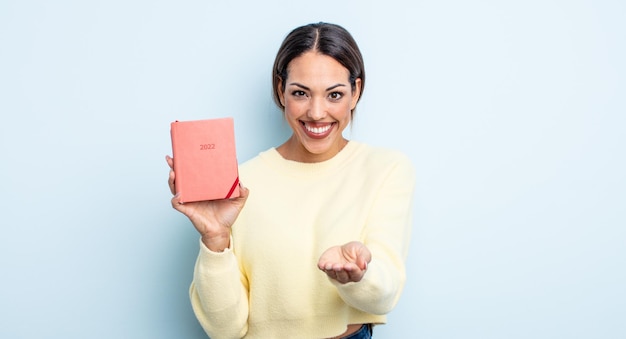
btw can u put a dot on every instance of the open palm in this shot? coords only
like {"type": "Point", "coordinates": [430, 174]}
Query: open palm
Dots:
{"type": "Point", "coordinates": [345, 263]}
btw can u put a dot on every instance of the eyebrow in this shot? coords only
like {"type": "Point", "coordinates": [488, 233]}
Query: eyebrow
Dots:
{"type": "Point", "coordinates": [308, 89]}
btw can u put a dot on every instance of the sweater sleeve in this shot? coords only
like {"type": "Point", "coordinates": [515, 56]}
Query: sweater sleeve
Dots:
{"type": "Point", "coordinates": [387, 234]}
{"type": "Point", "coordinates": [218, 294]}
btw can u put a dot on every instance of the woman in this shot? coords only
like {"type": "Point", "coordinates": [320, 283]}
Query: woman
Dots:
{"type": "Point", "coordinates": [315, 245]}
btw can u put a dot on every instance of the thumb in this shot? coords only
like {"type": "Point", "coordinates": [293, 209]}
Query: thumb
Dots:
{"type": "Point", "coordinates": [243, 191]}
{"type": "Point", "coordinates": [361, 262]}
{"type": "Point", "coordinates": [243, 195]}
{"type": "Point", "coordinates": [364, 256]}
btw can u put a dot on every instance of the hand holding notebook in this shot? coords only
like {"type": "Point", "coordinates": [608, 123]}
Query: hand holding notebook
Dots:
{"type": "Point", "coordinates": [212, 218]}
{"type": "Point", "coordinates": [204, 178]}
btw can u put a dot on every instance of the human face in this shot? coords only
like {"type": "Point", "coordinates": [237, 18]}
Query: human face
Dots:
{"type": "Point", "coordinates": [318, 100]}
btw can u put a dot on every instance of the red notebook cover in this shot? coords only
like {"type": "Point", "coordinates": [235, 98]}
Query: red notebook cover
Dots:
{"type": "Point", "coordinates": [205, 160]}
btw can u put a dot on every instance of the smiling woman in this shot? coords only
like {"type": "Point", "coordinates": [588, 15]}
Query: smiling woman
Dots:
{"type": "Point", "coordinates": [317, 100]}
{"type": "Point", "coordinates": [318, 78]}
{"type": "Point", "coordinates": [315, 246]}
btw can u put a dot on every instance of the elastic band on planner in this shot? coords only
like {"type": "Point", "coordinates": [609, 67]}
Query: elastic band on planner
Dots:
{"type": "Point", "coordinates": [232, 189]}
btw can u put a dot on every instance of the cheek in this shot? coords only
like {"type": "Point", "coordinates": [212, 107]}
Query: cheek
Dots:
{"type": "Point", "coordinates": [294, 107]}
{"type": "Point", "coordinates": [342, 111]}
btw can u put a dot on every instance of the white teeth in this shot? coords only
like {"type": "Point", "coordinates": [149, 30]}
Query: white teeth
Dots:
{"type": "Point", "coordinates": [318, 130]}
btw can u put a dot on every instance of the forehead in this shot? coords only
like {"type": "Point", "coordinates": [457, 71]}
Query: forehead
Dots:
{"type": "Point", "coordinates": [314, 67]}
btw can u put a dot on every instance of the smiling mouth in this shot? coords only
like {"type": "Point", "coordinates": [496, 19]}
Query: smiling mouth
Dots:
{"type": "Point", "coordinates": [316, 130]}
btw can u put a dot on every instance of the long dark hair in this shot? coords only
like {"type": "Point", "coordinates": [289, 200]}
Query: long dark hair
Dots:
{"type": "Point", "coordinates": [325, 38]}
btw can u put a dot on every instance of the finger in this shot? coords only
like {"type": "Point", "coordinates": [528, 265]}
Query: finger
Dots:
{"type": "Point", "coordinates": [171, 182]}
{"type": "Point", "coordinates": [355, 274]}
{"type": "Point", "coordinates": [170, 161]}
{"type": "Point", "coordinates": [342, 276]}
{"type": "Point", "coordinates": [176, 204]}
{"type": "Point", "coordinates": [331, 274]}
{"type": "Point", "coordinates": [328, 266]}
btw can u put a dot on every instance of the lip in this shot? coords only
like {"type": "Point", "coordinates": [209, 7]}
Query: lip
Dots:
{"type": "Point", "coordinates": [317, 130]}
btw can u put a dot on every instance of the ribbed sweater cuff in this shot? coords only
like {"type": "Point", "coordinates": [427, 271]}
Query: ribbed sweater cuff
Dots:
{"type": "Point", "coordinates": [373, 294]}
{"type": "Point", "coordinates": [216, 261]}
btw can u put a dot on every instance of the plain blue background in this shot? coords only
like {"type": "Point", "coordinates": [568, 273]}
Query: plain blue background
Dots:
{"type": "Point", "coordinates": [512, 111]}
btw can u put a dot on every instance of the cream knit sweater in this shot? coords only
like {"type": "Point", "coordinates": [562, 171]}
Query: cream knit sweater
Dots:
{"type": "Point", "coordinates": [267, 284]}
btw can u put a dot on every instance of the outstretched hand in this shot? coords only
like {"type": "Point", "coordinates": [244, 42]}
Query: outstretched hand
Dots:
{"type": "Point", "coordinates": [213, 218]}
{"type": "Point", "coordinates": [346, 263]}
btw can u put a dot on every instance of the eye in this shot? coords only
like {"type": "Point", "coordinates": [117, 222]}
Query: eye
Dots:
{"type": "Point", "coordinates": [335, 96]}
{"type": "Point", "coordinates": [298, 93]}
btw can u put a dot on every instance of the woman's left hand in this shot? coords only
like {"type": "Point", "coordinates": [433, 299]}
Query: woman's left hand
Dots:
{"type": "Point", "coordinates": [346, 263]}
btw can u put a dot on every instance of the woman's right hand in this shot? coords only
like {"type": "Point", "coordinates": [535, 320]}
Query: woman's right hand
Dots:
{"type": "Point", "coordinates": [213, 219]}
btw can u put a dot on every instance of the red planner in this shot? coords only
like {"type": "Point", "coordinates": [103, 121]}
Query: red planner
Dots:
{"type": "Point", "coordinates": [205, 159]}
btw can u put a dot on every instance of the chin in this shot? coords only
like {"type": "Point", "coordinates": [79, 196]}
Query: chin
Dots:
{"type": "Point", "coordinates": [319, 147]}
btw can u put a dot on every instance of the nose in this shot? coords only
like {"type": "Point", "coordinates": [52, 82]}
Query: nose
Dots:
{"type": "Point", "coordinates": [317, 109]}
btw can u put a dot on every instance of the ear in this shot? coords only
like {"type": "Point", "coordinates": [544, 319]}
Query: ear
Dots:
{"type": "Point", "coordinates": [280, 92]}
{"type": "Point", "coordinates": [356, 94]}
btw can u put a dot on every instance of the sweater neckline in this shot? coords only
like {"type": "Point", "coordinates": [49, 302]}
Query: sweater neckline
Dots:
{"type": "Point", "coordinates": [292, 167]}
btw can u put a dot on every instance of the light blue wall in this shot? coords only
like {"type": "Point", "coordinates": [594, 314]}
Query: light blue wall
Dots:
{"type": "Point", "coordinates": [513, 113]}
